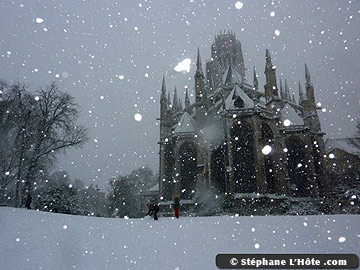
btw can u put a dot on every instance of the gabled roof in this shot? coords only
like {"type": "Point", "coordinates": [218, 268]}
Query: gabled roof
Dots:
{"type": "Point", "coordinates": [155, 188]}
{"type": "Point", "coordinates": [235, 93]}
{"type": "Point", "coordinates": [344, 144]}
{"type": "Point", "coordinates": [186, 124]}
{"type": "Point", "coordinates": [231, 76]}
{"type": "Point", "coordinates": [152, 191]}
{"type": "Point", "coordinates": [289, 113]}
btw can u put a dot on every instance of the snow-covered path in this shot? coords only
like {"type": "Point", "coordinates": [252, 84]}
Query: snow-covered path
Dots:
{"type": "Point", "coordinates": [39, 240]}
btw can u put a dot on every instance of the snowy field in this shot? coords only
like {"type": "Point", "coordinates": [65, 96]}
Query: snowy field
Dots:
{"type": "Point", "coordinates": [39, 240]}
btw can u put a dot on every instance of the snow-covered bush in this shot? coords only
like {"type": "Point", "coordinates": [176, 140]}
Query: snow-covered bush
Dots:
{"type": "Point", "coordinates": [59, 198]}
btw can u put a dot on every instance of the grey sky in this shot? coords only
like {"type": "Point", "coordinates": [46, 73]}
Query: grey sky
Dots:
{"type": "Point", "coordinates": [85, 45]}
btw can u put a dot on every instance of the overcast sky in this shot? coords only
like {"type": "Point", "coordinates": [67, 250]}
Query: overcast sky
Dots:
{"type": "Point", "coordinates": [111, 55]}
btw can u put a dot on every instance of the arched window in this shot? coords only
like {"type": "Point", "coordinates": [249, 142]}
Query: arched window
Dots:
{"type": "Point", "coordinates": [296, 166]}
{"type": "Point", "coordinates": [188, 163]}
{"type": "Point", "coordinates": [242, 141]}
{"type": "Point", "coordinates": [218, 168]}
{"type": "Point", "coordinates": [168, 181]}
{"type": "Point", "coordinates": [317, 162]}
{"type": "Point", "coordinates": [239, 103]}
{"type": "Point", "coordinates": [268, 138]}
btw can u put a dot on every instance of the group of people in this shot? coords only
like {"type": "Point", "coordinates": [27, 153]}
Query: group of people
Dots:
{"type": "Point", "coordinates": [154, 208]}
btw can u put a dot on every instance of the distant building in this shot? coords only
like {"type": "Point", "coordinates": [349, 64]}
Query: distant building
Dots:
{"type": "Point", "coordinates": [343, 157]}
{"type": "Point", "coordinates": [235, 138]}
{"type": "Point", "coordinates": [147, 196]}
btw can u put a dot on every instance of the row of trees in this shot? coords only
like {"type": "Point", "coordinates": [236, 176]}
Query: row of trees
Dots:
{"type": "Point", "coordinates": [58, 193]}
{"type": "Point", "coordinates": [125, 191]}
{"type": "Point", "coordinates": [34, 129]}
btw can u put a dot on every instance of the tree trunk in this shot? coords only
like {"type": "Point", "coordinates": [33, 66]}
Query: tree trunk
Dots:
{"type": "Point", "coordinates": [17, 193]}
{"type": "Point", "coordinates": [28, 187]}
{"type": "Point", "coordinates": [28, 196]}
{"type": "Point", "coordinates": [28, 184]}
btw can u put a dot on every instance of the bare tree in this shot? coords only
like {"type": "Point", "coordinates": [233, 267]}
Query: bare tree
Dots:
{"type": "Point", "coordinates": [15, 117]}
{"type": "Point", "coordinates": [56, 130]}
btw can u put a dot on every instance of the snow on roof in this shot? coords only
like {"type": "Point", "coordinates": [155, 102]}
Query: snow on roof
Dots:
{"type": "Point", "coordinates": [257, 196]}
{"type": "Point", "coordinates": [344, 144]}
{"type": "Point", "coordinates": [186, 124]}
{"type": "Point", "coordinates": [237, 92]}
{"type": "Point", "coordinates": [155, 188]}
{"type": "Point", "coordinates": [181, 202]}
{"type": "Point", "coordinates": [231, 76]}
{"type": "Point", "coordinates": [248, 102]}
{"type": "Point", "coordinates": [289, 113]}
{"type": "Point", "coordinates": [261, 104]}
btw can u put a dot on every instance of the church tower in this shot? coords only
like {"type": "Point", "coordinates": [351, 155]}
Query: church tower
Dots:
{"type": "Point", "coordinates": [200, 94]}
{"type": "Point", "coordinates": [310, 113]}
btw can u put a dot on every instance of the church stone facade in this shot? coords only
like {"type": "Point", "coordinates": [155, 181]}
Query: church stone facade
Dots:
{"type": "Point", "coordinates": [236, 138]}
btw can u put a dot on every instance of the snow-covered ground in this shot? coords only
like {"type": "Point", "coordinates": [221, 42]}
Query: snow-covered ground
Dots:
{"type": "Point", "coordinates": [39, 240]}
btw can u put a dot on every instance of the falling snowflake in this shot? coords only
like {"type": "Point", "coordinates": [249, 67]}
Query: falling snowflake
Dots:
{"type": "Point", "coordinates": [266, 150]}
{"type": "Point", "coordinates": [342, 239]}
{"type": "Point", "coordinates": [39, 20]}
{"type": "Point", "coordinates": [239, 5]}
{"type": "Point", "coordinates": [138, 117]}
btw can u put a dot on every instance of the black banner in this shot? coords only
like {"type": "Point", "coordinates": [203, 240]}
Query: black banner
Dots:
{"type": "Point", "coordinates": [287, 261]}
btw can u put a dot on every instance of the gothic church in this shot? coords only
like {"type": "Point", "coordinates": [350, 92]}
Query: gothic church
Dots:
{"type": "Point", "coordinates": [236, 138]}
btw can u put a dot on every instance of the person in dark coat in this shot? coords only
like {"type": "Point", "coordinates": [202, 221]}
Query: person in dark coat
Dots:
{"type": "Point", "coordinates": [176, 206]}
{"type": "Point", "coordinates": [153, 209]}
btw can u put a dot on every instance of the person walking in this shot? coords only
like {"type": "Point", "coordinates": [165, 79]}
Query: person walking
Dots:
{"type": "Point", "coordinates": [176, 206]}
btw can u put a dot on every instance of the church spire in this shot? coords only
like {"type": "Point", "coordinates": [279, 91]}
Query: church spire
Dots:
{"type": "Point", "coordinates": [271, 90]}
{"type": "Point", "coordinates": [307, 75]}
{"type": "Point", "coordinates": [301, 94]}
{"type": "Point", "coordinates": [164, 103]}
{"type": "Point", "coordinates": [268, 58]}
{"type": "Point", "coordinates": [163, 86]}
{"type": "Point", "coordinates": [199, 79]}
{"type": "Point", "coordinates": [198, 62]}
{"type": "Point", "coordinates": [287, 91]}
{"type": "Point", "coordinates": [282, 93]}
{"type": "Point", "coordinates": [187, 99]}
{"type": "Point", "coordinates": [180, 105]}
{"type": "Point", "coordinates": [256, 83]}
{"type": "Point", "coordinates": [169, 99]}
{"type": "Point", "coordinates": [309, 88]}
{"type": "Point", "coordinates": [175, 105]}
{"type": "Point", "coordinates": [312, 118]}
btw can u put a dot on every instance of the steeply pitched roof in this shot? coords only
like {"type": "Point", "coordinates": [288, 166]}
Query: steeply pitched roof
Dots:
{"type": "Point", "coordinates": [235, 93]}
{"type": "Point", "coordinates": [186, 124]}
{"type": "Point", "coordinates": [289, 113]}
{"type": "Point", "coordinates": [231, 76]}
{"type": "Point", "coordinates": [344, 144]}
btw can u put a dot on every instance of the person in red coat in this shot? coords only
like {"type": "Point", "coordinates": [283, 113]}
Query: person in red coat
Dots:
{"type": "Point", "coordinates": [176, 206]}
